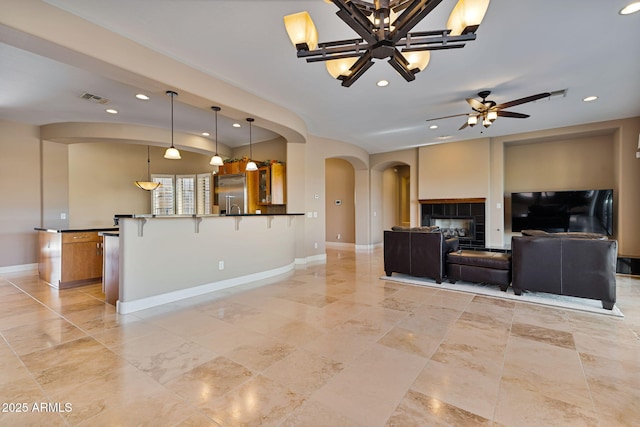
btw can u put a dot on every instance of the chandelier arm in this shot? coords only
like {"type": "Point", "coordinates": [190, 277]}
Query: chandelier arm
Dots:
{"type": "Point", "coordinates": [446, 41]}
{"type": "Point", "coordinates": [354, 18]}
{"type": "Point", "coordinates": [335, 56]}
{"type": "Point", "coordinates": [357, 69]}
{"type": "Point", "coordinates": [401, 65]}
{"type": "Point", "coordinates": [334, 52]}
{"type": "Point", "coordinates": [413, 14]}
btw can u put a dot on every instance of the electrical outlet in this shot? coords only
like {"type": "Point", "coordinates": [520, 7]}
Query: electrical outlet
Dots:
{"type": "Point", "coordinates": [338, 236]}
{"type": "Point", "coordinates": [63, 215]}
{"type": "Point", "coordinates": [220, 265]}
{"type": "Point", "coordinates": [315, 245]}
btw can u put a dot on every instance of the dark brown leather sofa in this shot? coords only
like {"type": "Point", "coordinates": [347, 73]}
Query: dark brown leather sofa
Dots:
{"type": "Point", "coordinates": [419, 252]}
{"type": "Point", "coordinates": [572, 264]}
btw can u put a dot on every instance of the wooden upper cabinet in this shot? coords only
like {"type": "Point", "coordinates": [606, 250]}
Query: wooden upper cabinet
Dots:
{"type": "Point", "coordinates": [272, 185]}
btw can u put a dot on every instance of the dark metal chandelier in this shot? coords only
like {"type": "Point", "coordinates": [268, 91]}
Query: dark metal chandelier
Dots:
{"type": "Point", "coordinates": [384, 27]}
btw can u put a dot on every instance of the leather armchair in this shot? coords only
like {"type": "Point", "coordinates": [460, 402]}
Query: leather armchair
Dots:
{"type": "Point", "coordinates": [563, 264]}
{"type": "Point", "coordinates": [417, 253]}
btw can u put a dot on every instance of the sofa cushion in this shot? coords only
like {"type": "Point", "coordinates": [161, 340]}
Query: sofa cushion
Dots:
{"type": "Point", "coordinates": [571, 234]}
{"type": "Point", "coordinates": [534, 233]}
{"type": "Point", "coordinates": [495, 260]}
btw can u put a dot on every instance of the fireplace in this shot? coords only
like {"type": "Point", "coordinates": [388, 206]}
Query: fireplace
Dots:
{"type": "Point", "coordinates": [461, 218]}
{"type": "Point", "coordinates": [463, 228]}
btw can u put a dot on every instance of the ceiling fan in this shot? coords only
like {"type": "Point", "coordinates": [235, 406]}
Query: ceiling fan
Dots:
{"type": "Point", "coordinates": [487, 111]}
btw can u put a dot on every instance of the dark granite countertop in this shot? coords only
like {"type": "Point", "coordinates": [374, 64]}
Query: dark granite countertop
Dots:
{"type": "Point", "coordinates": [76, 230]}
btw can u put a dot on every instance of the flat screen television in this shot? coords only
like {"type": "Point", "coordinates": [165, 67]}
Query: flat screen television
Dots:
{"type": "Point", "coordinates": [588, 211]}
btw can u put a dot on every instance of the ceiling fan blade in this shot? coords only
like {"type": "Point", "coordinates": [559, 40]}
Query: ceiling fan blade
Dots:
{"type": "Point", "coordinates": [447, 117]}
{"type": "Point", "coordinates": [463, 126]}
{"type": "Point", "coordinates": [512, 114]}
{"type": "Point", "coordinates": [523, 100]}
{"type": "Point", "coordinates": [475, 104]}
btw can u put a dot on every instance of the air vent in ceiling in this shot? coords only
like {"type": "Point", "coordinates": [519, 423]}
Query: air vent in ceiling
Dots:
{"type": "Point", "coordinates": [94, 98]}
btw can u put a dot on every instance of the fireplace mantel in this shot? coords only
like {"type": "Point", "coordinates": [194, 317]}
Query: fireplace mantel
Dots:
{"type": "Point", "coordinates": [448, 201]}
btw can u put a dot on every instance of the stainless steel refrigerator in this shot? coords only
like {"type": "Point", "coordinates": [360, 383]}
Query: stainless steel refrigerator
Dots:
{"type": "Point", "coordinates": [232, 194]}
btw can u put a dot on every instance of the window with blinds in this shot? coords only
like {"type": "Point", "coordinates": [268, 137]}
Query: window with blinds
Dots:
{"type": "Point", "coordinates": [203, 193]}
{"type": "Point", "coordinates": [182, 194]}
{"type": "Point", "coordinates": [163, 197]}
{"type": "Point", "coordinates": [185, 194]}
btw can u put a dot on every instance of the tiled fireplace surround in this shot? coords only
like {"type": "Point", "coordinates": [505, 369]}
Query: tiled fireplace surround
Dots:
{"type": "Point", "coordinates": [457, 211]}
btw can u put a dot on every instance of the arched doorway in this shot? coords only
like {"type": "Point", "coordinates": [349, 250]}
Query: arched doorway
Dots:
{"type": "Point", "coordinates": [340, 207]}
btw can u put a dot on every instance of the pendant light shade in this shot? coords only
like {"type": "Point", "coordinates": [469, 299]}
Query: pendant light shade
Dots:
{"type": "Point", "coordinates": [172, 152]}
{"type": "Point", "coordinates": [467, 15]}
{"type": "Point", "coordinates": [340, 67]}
{"type": "Point", "coordinates": [216, 160]}
{"type": "Point", "coordinates": [301, 30]}
{"type": "Point", "coordinates": [251, 165]}
{"type": "Point", "coordinates": [148, 185]}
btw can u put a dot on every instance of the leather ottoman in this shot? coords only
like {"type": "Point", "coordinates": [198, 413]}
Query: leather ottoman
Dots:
{"type": "Point", "coordinates": [493, 268]}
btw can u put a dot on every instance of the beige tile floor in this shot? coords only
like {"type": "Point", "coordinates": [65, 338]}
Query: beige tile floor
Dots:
{"type": "Point", "coordinates": [326, 345]}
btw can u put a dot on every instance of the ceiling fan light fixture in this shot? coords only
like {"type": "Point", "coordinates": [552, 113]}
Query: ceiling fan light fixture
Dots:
{"type": "Point", "coordinates": [418, 59]}
{"type": "Point", "coordinates": [340, 67]}
{"type": "Point", "coordinates": [301, 30]}
{"type": "Point", "coordinates": [486, 122]}
{"type": "Point", "coordinates": [466, 16]}
{"type": "Point", "coordinates": [492, 116]}
{"type": "Point", "coordinates": [472, 121]}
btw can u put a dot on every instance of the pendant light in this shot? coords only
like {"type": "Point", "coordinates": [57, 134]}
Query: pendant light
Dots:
{"type": "Point", "coordinates": [216, 160]}
{"type": "Point", "coordinates": [148, 185]}
{"type": "Point", "coordinates": [172, 152]}
{"type": "Point", "coordinates": [251, 166]}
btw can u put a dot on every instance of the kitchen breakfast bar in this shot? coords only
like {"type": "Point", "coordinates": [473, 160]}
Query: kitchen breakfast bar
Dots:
{"type": "Point", "coordinates": [152, 260]}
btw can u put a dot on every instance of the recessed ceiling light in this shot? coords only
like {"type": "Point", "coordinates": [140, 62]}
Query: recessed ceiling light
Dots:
{"type": "Point", "coordinates": [590, 98]}
{"type": "Point", "coordinates": [433, 127]}
{"type": "Point", "coordinates": [236, 125]}
{"type": "Point", "coordinates": [111, 111]}
{"type": "Point", "coordinates": [382, 83]}
{"type": "Point", "coordinates": [142, 97]}
{"type": "Point", "coordinates": [205, 134]}
{"type": "Point", "coordinates": [630, 8]}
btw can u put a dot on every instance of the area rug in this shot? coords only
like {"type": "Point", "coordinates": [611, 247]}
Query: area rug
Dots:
{"type": "Point", "coordinates": [572, 303]}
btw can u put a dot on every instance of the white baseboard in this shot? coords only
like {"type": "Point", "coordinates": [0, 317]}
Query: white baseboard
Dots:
{"type": "Point", "coordinates": [19, 268]}
{"type": "Point", "coordinates": [126, 307]}
{"type": "Point", "coordinates": [312, 258]}
{"type": "Point", "coordinates": [368, 248]}
{"type": "Point", "coordinates": [339, 245]}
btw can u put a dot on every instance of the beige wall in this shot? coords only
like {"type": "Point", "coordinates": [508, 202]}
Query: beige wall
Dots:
{"type": "Point", "coordinates": [455, 170]}
{"type": "Point", "coordinates": [340, 186]}
{"type": "Point", "coordinates": [102, 175]}
{"type": "Point", "coordinates": [268, 150]}
{"type": "Point", "coordinates": [55, 185]}
{"type": "Point", "coordinates": [20, 192]}
{"type": "Point", "coordinates": [573, 164]}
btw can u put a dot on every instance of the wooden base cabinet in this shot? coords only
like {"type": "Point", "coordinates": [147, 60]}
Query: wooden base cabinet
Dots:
{"type": "Point", "coordinates": [69, 259]}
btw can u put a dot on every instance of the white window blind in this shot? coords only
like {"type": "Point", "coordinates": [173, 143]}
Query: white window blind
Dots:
{"type": "Point", "coordinates": [162, 198]}
{"type": "Point", "coordinates": [203, 193]}
{"type": "Point", "coordinates": [185, 194]}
